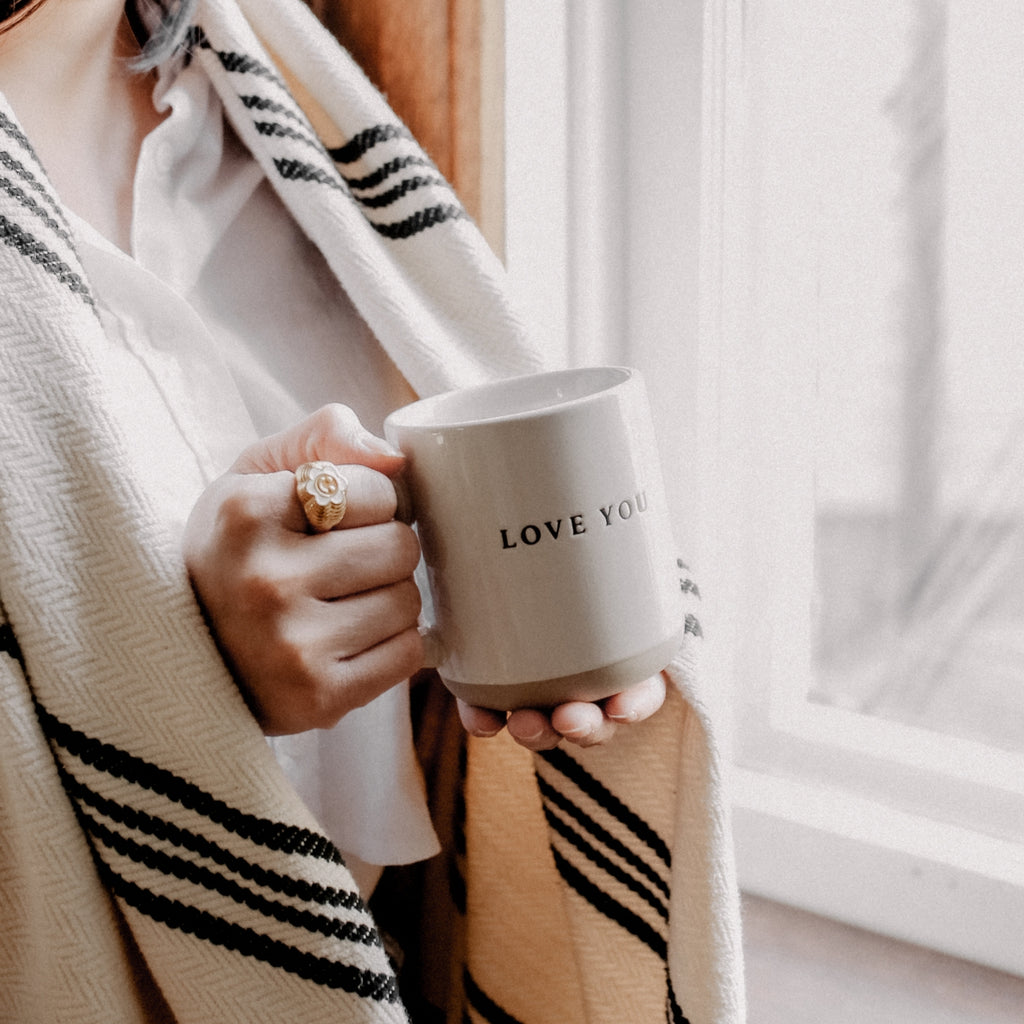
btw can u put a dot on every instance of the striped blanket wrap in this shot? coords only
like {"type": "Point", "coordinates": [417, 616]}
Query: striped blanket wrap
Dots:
{"type": "Point", "coordinates": [155, 864]}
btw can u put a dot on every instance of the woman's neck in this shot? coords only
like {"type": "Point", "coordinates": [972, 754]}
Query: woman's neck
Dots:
{"type": "Point", "coordinates": [65, 72]}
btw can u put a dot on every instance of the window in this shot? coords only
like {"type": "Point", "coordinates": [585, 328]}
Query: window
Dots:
{"type": "Point", "coordinates": [837, 379]}
{"type": "Point", "coordinates": [872, 411]}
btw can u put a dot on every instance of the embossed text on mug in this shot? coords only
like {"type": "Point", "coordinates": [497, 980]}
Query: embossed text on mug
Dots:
{"type": "Point", "coordinates": [574, 525]}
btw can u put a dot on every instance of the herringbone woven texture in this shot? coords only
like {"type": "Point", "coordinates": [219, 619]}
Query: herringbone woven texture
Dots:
{"type": "Point", "coordinates": [154, 863]}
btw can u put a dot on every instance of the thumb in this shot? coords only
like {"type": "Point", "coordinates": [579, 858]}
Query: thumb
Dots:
{"type": "Point", "coordinates": [332, 434]}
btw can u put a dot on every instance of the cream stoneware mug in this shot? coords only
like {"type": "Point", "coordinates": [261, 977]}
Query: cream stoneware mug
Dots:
{"type": "Point", "coordinates": [545, 532]}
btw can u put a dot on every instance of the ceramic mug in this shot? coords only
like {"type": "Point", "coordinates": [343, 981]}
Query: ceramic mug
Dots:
{"type": "Point", "coordinates": [546, 536]}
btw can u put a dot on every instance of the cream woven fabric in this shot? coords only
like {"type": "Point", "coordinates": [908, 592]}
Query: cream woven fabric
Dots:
{"type": "Point", "coordinates": [154, 862]}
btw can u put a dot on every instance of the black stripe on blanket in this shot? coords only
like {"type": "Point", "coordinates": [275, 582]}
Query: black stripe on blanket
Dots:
{"type": "Point", "coordinates": [54, 219]}
{"type": "Point", "coordinates": [553, 798]}
{"type": "Point", "coordinates": [673, 1011]}
{"type": "Point", "coordinates": [19, 195]}
{"type": "Point", "coordinates": [264, 104]}
{"type": "Point", "coordinates": [403, 188]}
{"type": "Point", "coordinates": [189, 871]}
{"type": "Point", "coordinates": [423, 219]}
{"type": "Point", "coordinates": [232, 61]}
{"type": "Point", "coordinates": [379, 986]}
{"type": "Point", "coordinates": [607, 865]}
{"type": "Point", "coordinates": [120, 764]}
{"type": "Point", "coordinates": [610, 907]}
{"type": "Point", "coordinates": [361, 143]}
{"type": "Point", "coordinates": [293, 169]}
{"type": "Point", "coordinates": [9, 644]}
{"type": "Point", "coordinates": [29, 191]}
{"type": "Point", "coordinates": [276, 130]}
{"type": "Point", "coordinates": [482, 1004]}
{"type": "Point", "coordinates": [29, 246]}
{"type": "Point", "coordinates": [300, 170]}
{"type": "Point", "coordinates": [596, 790]}
{"type": "Point", "coordinates": [33, 183]}
{"type": "Point", "coordinates": [167, 832]}
{"type": "Point", "coordinates": [12, 131]}
{"type": "Point", "coordinates": [387, 170]}
{"type": "Point", "coordinates": [575, 839]}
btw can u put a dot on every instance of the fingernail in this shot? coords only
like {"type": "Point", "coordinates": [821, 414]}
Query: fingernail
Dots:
{"type": "Point", "coordinates": [625, 718]}
{"type": "Point", "coordinates": [379, 446]}
{"type": "Point", "coordinates": [486, 734]}
{"type": "Point", "coordinates": [533, 737]}
{"type": "Point", "coordinates": [577, 734]}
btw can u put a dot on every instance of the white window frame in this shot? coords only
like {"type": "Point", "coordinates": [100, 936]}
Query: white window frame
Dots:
{"type": "Point", "coordinates": [815, 823]}
{"type": "Point", "coordinates": [603, 198]}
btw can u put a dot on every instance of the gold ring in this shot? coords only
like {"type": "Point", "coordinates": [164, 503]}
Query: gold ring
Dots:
{"type": "Point", "coordinates": [323, 492]}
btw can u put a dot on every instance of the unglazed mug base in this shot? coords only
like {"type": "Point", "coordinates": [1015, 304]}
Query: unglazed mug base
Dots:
{"type": "Point", "coordinates": [594, 685]}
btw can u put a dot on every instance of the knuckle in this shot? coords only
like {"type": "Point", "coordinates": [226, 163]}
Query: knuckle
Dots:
{"type": "Point", "coordinates": [302, 709]}
{"type": "Point", "coordinates": [402, 658]}
{"type": "Point", "coordinates": [303, 686]}
{"type": "Point", "coordinates": [241, 514]}
{"type": "Point", "coordinates": [409, 600]}
{"type": "Point", "coordinates": [404, 547]}
{"type": "Point", "coordinates": [333, 422]}
{"type": "Point", "coordinates": [323, 709]}
{"type": "Point", "coordinates": [371, 495]}
{"type": "Point", "coordinates": [300, 651]}
{"type": "Point", "coordinates": [411, 542]}
{"type": "Point", "coordinates": [408, 653]}
{"type": "Point", "coordinates": [405, 655]}
{"type": "Point", "coordinates": [382, 494]}
{"type": "Point", "coordinates": [358, 686]}
{"type": "Point", "coordinates": [314, 689]}
{"type": "Point", "coordinates": [263, 593]}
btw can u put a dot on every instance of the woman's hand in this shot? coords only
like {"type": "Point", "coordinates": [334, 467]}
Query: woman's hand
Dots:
{"type": "Point", "coordinates": [312, 625]}
{"type": "Point", "coordinates": [577, 722]}
{"type": "Point", "coordinates": [315, 625]}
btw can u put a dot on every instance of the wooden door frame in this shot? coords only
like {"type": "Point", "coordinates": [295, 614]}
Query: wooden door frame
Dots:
{"type": "Point", "coordinates": [440, 63]}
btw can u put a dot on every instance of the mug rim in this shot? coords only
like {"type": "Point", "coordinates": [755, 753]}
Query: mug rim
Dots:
{"type": "Point", "coordinates": [430, 412]}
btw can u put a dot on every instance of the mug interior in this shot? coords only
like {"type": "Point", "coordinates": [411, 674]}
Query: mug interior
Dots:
{"type": "Point", "coordinates": [507, 399]}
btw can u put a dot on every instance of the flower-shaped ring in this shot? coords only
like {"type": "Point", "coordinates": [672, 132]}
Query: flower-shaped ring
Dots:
{"type": "Point", "coordinates": [323, 492]}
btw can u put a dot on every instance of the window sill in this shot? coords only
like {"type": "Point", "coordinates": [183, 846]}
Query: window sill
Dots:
{"type": "Point", "coordinates": [870, 866]}
{"type": "Point", "coordinates": [803, 969]}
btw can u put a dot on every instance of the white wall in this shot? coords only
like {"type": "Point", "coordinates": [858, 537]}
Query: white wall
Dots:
{"type": "Point", "coordinates": [603, 198]}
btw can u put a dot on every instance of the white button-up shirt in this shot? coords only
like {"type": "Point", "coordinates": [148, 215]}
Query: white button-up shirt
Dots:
{"type": "Point", "coordinates": [230, 326]}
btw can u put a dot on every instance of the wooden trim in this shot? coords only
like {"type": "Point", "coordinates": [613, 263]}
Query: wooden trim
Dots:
{"type": "Point", "coordinates": [478, 105]}
{"type": "Point", "coordinates": [441, 65]}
